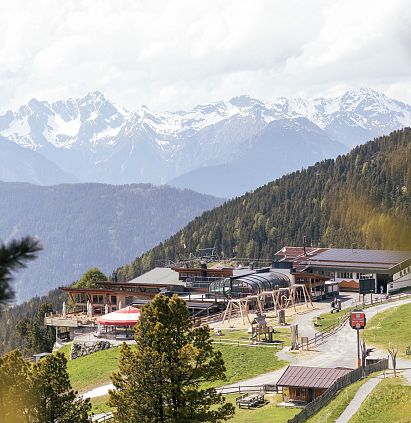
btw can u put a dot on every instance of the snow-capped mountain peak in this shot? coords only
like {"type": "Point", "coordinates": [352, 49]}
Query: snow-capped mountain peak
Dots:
{"type": "Point", "coordinates": [142, 145]}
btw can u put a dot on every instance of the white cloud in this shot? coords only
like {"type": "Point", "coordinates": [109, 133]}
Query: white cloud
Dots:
{"type": "Point", "coordinates": [177, 53]}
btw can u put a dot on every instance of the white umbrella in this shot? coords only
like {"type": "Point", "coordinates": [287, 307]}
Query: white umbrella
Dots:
{"type": "Point", "coordinates": [91, 309]}
{"type": "Point", "coordinates": [106, 309]}
{"type": "Point", "coordinates": [127, 316]}
{"type": "Point", "coordinates": [119, 305]}
{"type": "Point", "coordinates": [88, 308]}
{"type": "Point", "coordinates": [64, 310]}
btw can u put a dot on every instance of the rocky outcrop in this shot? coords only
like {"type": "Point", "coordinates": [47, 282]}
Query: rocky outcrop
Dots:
{"type": "Point", "coordinates": [86, 348]}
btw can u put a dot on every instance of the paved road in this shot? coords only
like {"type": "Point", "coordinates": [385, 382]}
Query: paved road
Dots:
{"type": "Point", "coordinates": [358, 399]}
{"type": "Point", "coordinates": [338, 350]}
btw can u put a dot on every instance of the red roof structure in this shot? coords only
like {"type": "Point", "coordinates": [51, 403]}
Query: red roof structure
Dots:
{"type": "Point", "coordinates": [127, 316]}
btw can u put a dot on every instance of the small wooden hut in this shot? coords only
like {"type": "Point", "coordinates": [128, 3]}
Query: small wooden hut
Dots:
{"type": "Point", "coordinates": [302, 384]}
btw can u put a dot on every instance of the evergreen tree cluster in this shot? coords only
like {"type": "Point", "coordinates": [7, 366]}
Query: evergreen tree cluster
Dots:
{"type": "Point", "coordinates": [39, 393]}
{"type": "Point", "coordinates": [27, 319]}
{"type": "Point", "coordinates": [361, 198]}
{"type": "Point", "coordinates": [34, 335]}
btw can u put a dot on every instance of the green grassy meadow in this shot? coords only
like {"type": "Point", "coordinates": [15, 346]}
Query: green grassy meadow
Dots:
{"type": "Point", "coordinates": [93, 370]}
{"type": "Point", "coordinates": [267, 413]}
{"type": "Point", "coordinates": [389, 402]}
{"type": "Point", "coordinates": [233, 335]}
{"type": "Point", "coordinates": [242, 362]}
{"type": "Point", "coordinates": [327, 319]}
{"type": "Point", "coordinates": [99, 405]}
{"type": "Point", "coordinates": [337, 405]}
{"type": "Point", "coordinates": [393, 326]}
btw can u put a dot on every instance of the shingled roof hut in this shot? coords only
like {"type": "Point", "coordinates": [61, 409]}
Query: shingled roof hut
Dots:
{"type": "Point", "coordinates": [305, 384]}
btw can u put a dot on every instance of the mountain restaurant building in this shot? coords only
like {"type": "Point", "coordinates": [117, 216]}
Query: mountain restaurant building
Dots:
{"type": "Point", "coordinates": [391, 270]}
{"type": "Point", "coordinates": [192, 284]}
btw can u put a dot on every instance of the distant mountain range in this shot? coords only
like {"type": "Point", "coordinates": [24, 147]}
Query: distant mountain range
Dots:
{"type": "Point", "coordinates": [223, 148]}
{"type": "Point", "coordinates": [20, 164]}
{"type": "Point", "coordinates": [88, 225]}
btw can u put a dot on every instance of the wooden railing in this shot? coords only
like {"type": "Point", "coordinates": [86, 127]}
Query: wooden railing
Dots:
{"type": "Point", "coordinates": [341, 321]}
{"type": "Point", "coordinates": [108, 417]}
{"type": "Point", "coordinates": [247, 388]}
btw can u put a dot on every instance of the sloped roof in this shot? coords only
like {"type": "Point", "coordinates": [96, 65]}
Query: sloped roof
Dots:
{"type": "Point", "coordinates": [383, 259]}
{"type": "Point", "coordinates": [289, 253]}
{"type": "Point", "coordinates": [159, 275]}
{"type": "Point", "coordinates": [311, 377]}
{"type": "Point", "coordinates": [259, 320]}
{"type": "Point", "coordinates": [344, 258]}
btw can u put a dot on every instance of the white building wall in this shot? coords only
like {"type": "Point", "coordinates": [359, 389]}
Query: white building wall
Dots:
{"type": "Point", "coordinates": [401, 279]}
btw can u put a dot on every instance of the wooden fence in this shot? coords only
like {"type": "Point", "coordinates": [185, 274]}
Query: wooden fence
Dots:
{"type": "Point", "coordinates": [326, 332]}
{"type": "Point", "coordinates": [340, 383]}
{"type": "Point", "coordinates": [335, 327]}
{"type": "Point", "coordinates": [108, 417]}
{"type": "Point", "coordinates": [247, 388]}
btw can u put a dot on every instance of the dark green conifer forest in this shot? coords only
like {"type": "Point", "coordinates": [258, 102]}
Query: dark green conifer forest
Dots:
{"type": "Point", "coordinates": [362, 198]}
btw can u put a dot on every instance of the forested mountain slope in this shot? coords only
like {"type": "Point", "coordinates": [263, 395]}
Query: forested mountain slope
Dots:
{"type": "Point", "coordinates": [361, 198]}
{"type": "Point", "coordinates": [87, 225]}
{"type": "Point", "coordinates": [9, 338]}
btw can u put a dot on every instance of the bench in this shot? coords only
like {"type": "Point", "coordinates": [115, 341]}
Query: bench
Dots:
{"type": "Point", "coordinates": [124, 337]}
{"type": "Point", "coordinates": [250, 401]}
{"type": "Point", "coordinates": [278, 343]}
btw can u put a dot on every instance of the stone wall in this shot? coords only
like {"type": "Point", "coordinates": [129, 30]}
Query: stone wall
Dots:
{"type": "Point", "coordinates": [85, 348]}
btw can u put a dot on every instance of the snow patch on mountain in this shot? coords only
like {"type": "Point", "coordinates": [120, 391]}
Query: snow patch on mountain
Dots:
{"type": "Point", "coordinates": [99, 140]}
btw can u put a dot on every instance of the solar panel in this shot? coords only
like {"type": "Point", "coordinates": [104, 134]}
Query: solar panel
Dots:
{"type": "Point", "coordinates": [348, 255]}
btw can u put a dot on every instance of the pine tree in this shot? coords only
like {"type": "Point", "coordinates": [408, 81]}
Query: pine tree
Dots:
{"type": "Point", "coordinates": [39, 393]}
{"type": "Point", "coordinates": [54, 400]}
{"type": "Point", "coordinates": [34, 334]}
{"type": "Point", "coordinates": [160, 381]}
{"type": "Point", "coordinates": [16, 393]}
{"type": "Point", "coordinates": [14, 256]}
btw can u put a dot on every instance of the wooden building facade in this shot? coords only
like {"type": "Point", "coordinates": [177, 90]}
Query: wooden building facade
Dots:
{"type": "Point", "coordinates": [302, 384]}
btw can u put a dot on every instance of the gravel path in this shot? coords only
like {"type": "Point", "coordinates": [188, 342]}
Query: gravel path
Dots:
{"type": "Point", "coordinates": [98, 392]}
{"type": "Point", "coordinates": [358, 399]}
{"type": "Point", "coordinates": [339, 350]}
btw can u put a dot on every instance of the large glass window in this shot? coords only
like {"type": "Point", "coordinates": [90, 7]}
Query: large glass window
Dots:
{"type": "Point", "coordinates": [98, 299]}
{"type": "Point", "coordinates": [80, 298]}
{"type": "Point", "coordinates": [344, 275]}
{"type": "Point", "coordinates": [255, 283]}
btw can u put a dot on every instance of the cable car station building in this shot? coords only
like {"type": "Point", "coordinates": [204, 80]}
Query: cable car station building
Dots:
{"type": "Point", "coordinates": [391, 270]}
